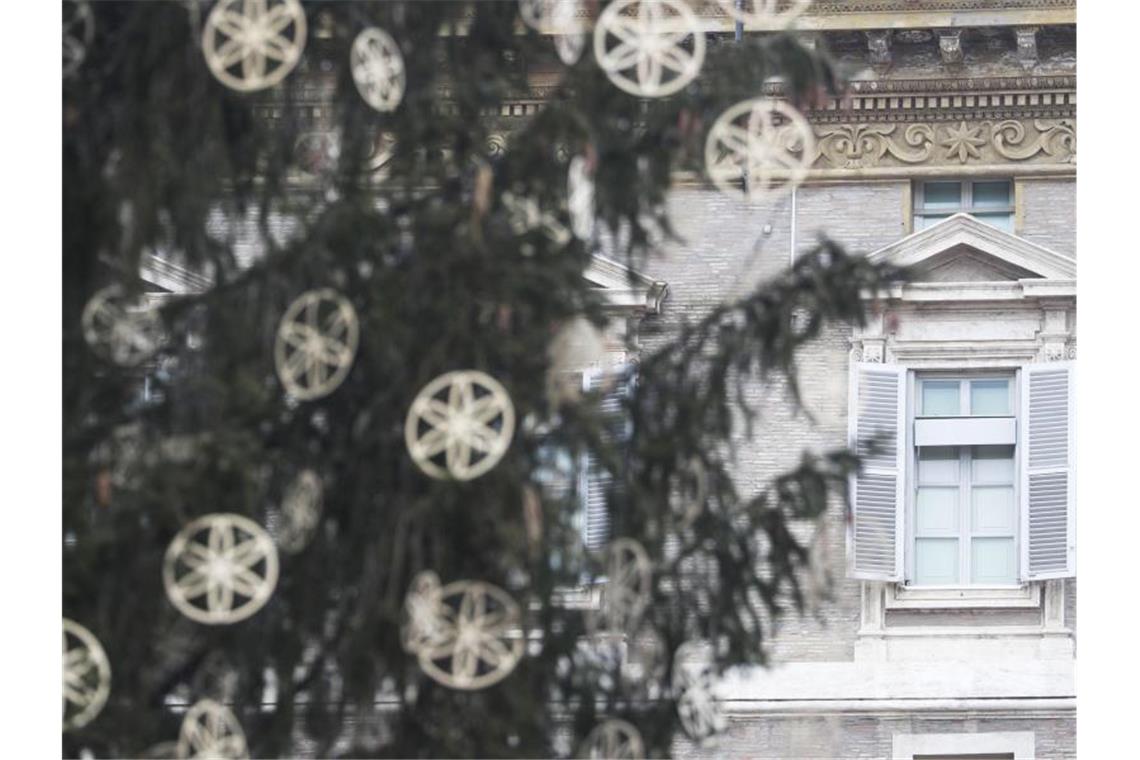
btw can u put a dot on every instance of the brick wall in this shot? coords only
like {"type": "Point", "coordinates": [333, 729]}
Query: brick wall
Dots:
{"type": "Point", "coordinates": [1049, 213]}
{"type": "Point", "coordinates": [725, 253]}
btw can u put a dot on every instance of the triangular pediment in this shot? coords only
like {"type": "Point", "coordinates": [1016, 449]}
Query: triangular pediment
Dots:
{"type": "Point", "coordinates": [963, 249]}
{"type": "Point", "coordinates": [625, 288]}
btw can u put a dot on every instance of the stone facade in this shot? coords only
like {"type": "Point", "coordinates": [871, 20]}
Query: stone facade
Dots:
{"type": "Point", "coordinates": [872, 672]}
{"type": "Point", "coordinates": [941, 90]}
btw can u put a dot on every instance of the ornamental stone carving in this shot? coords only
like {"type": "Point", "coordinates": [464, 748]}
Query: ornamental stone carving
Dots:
{"type": "Point", "coordinates": [962, 143]}
{"type": "Point", "coordinates": [1056, 138]}
{"type": "Point", "coordinates": [950, 46]}
{"type": "Point", "coordinates": [857, 146]}
{"type": "Point", "coordinates": [873, 351]}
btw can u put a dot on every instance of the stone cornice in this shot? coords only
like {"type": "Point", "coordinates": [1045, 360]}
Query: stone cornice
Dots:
{"type": "Point", "coordinates": [832, 7]}
{"type": "Point", "coordinates": [984, 292]}
{"type": "Point", "coordinates": [835, 15]}
{"type": "Point", "coordinates": [959, 84]}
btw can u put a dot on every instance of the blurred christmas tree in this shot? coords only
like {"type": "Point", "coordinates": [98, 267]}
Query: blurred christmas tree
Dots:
{"type": "Point", "coordinates": [328, 496]}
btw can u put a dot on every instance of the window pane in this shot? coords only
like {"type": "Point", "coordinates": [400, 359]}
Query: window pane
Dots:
{"type": "Point", "coordinates": [935, 561]}
{"type": "Point", "coordinates": [929, 221]}
{"type": "Point", "coordinates": [992, 561]}
{"type": "Point", "coordinates": [993, 464]}
{"type": "Point", "coordinates": [938, 465]}
{"type": "Point", "coordinates": [989, 397]}
{"type": "Point", "coordinates": [992, 509]}
{"type": "Point", "coordinates": [937, 510]}
{"type": "Point", "coordinates": [942, 195]}
{"type": "Point", "coordinates": [1003, 221]}
{"type": "Point", "coordinates": [940, 398]}
{"type": "Point", "coordinates": [991, 194]}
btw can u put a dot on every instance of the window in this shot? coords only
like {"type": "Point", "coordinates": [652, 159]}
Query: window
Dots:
{"type": "Point", "coordinates": [996, 745]}
{"type": "Point", "coordinates": [966, 478]}
{"type": "Point", "coordinates": [990, 201]}
{"type": "Point", "coordinates": [583, 479]}
{"type": "Point", "coordinates": [595, 482]}
{"type": "Point", "coordinates": [964, 513]}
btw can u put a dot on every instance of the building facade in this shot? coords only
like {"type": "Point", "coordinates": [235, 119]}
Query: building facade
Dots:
{"type": "Point", "coordinates": [948, 630]}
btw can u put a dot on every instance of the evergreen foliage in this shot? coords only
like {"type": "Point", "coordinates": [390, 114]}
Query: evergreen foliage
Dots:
{"type": "Point", "coordinates": [156, 152]}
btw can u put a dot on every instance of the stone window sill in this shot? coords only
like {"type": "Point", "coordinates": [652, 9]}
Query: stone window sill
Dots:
{"type": "Point", "coordinates": [903, 597]}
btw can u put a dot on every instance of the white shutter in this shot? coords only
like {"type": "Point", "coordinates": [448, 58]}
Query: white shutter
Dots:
{"type": "Point", "coordinates": [1048, 469]}
{"type": "Point", "coordinates": [595, 481]}
{"type": "Point", "coordinates": [877, 412]}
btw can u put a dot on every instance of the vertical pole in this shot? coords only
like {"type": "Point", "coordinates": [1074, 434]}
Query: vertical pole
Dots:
{"type": "Point", "coordinates": [739, 23]}
{"type": "Point", "coordinates": [792, 244]}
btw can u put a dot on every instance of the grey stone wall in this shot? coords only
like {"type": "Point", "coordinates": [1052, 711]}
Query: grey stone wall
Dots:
{"type": "Point", "coordinates": [1049, 213]}
{"type": "Point", "coordinates": [726, 252]}
{"type": "Point", "coordinates": [869, 736]}
{"type": "Point", "coordinates": [863, 217]}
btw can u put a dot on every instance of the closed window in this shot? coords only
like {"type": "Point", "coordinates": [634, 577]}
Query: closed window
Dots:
{"type": "Point", "coordinates": [990, 201]}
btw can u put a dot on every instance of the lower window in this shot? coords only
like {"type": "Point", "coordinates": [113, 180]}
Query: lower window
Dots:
{"type": "Point", "coordinates": [965, 516]}
{"type": "Point", "coordinates": [997, 745]}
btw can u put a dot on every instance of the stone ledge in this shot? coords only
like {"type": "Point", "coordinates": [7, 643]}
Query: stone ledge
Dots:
{"type": "Point", "coordinates": [886, 681]}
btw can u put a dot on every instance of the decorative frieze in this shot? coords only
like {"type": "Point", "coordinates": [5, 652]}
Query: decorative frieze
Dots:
{"type": "Point", "coordinates": [863, 146]}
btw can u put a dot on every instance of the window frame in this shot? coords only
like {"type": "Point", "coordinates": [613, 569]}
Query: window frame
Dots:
{"type": "Point", "coordinates": [1021, 745]}
{"type": "Point", "coordinates": [919, 212]}
{"type": "Point", "coordinates": [914, 380]}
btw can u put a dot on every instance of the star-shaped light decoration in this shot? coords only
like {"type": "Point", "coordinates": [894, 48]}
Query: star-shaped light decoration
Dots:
{"type": "Point", "coordinates": [220, 569]}
{"type": "Point", "coordinates": [477, 638]}
{"type": "Point", "coordinates": [963, 141]}
{"type": "Point", "coordinates": [250, 45]}
{"type": "Point", "coordinates": [649, 48]}
{"type": "Point", "coordinates": [86, 675]}
{"type": "Point", "coordinates": [626, 594]}
{"type": "Point", "coordinates": [759, 148]}
{"type": "Point", "coordinates": [316, 344]}
{"type": "Point", "coordinates": [693, 683]}
{"type": "Point", "coordinates": [378, 69]}
{"type": "Point", "coordinates": [612, 740]}
{"type": "Point", "coordinates": [210, 730]}
{"type": "Point", "coordinates": [123, 329]}
{"type": "Point", "coordinates": [460, 425]}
